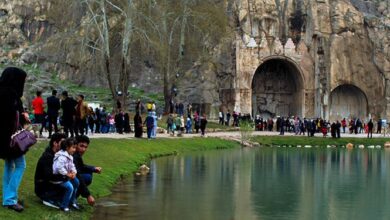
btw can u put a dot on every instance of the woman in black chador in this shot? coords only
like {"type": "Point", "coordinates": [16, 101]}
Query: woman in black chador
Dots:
{"type": "Point", "coordinates": [126, 127]}
{"type": "Point", "coordinates": [11, 90]}
{"type": "Point", "coordinates": [138, 125]}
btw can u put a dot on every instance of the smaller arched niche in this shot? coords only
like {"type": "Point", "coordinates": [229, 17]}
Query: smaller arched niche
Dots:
{"type": "Point", "coordinates": [348, 101]}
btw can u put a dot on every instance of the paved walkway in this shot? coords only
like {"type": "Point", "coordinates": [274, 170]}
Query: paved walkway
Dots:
{"type": "Point", "coordinates": [228, 135]}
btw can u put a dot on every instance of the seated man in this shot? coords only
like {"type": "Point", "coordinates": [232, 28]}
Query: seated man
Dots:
{"type": "Point", "coordinates": [84, 172]}
{"type": "Point", "coordinates": [49, 193]}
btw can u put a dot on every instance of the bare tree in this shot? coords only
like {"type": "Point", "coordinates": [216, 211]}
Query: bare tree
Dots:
{"type": "Point", "coordinates": [98, 21]}
{"type": "Point", "coordinates": [113, 20]}
{"type": "Point", "coordinates": [163, 26]}
{"type": "Point", "coordinates": [177, 21]}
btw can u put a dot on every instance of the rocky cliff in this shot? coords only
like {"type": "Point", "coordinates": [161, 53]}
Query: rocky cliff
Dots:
{"type": "Point", "coordinates": [324, 44]}
{"type": "Point", "coordinates": [330, 43]}
{"type": "Point", "coordinates": [50, 35]}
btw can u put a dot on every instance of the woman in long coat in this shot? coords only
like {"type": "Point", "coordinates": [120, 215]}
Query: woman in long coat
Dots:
{"type": "Point", "coordinates": [138, 125]}
{"type": "Point", "coordinates": [11, 90]}
{"type": "Point", "coordinates": [127, 128]}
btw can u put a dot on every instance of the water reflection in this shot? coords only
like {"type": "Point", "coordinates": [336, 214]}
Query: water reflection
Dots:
{"type": "Point", "coordinates": [264, 183]}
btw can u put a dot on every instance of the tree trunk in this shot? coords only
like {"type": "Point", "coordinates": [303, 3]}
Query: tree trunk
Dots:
{"type": "Point", "coordinates": [123, 82]}
{"type": "Point", "coordinates": [167, 93]}
{"type": "Point", "coordinates": [167, 81]}
{"type": "Point", "coordinates": [166, 65]}
{"type": "Point", "coordinates": [126, 54]}
{"type": "Point", "coordinates": [108, 75]}
{"type": "Point", "coordinates": [182, 35]}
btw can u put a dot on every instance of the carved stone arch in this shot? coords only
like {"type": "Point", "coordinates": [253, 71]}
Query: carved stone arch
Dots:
{"type": "Point", "coordinates": [348, 101]}
{"type": "Point", "coordinates": [278, 88]}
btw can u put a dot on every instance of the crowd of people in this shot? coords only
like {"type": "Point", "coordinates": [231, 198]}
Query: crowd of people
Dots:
{"type": "Point", "coordinates": [303, 126]}
{"type": "Point", "coordinates": [311, 126]}
{"type": "Point", "coordinates": [77, 117]}
{"type": "Point", "coordinates": [177, 123]}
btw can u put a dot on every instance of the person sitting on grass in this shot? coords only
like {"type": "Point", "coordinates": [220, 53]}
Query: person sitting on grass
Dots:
{"type": "Point", "coordinates": [84, 172]}
{"type": "Point", "coordinates": [63, 164]}
{"type": "Point", "coordinates": [50, 194]}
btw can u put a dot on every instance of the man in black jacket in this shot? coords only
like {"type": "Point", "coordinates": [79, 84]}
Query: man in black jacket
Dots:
{"type": "Point", "coordinates": [53, 106]}
{"type": "Point", "coordinates": [84, 172]}
{"type": "Point", "coordinates": [49, 193]}
{"type": "Point", "coordinates": [68, 106]}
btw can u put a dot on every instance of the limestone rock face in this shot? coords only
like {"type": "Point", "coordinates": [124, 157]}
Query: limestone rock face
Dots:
{"type": "Point", "coordinates": [316, 48]}
{"type": "Point", "coordinates": [49, 34]}
{"type": "Point", "coordinates": [326, 47]}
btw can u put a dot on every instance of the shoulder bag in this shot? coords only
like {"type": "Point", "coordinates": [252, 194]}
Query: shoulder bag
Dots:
{"type": "Point", "coordinates": [22, 139]}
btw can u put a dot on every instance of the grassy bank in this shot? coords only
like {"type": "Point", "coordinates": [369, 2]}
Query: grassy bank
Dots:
{"type": "Point", "coordinates": [316, 141]}
{"type": "Point", "coordinates": [117, 157]}
{"type": "Point", "coordinates": [45, 81]}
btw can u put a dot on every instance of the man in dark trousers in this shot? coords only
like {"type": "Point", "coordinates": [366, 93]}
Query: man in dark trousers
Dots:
{"type": "Point", "coordinates": [53, 106]}
{"type": "Point", "coordinates": [228, 115]}
{"type": "Point", "coordinates": [379, 128]}
{"type": "Point", "coordinates": [44, 180]}
{"type": "Point", "coordinates": [282, 124]}
{"type": "Point", "coordinates": [98, 120]}
{"type": "Point", "coordinates": [338, 129]}
{"type": "Point", "coordinates": [68, 106]}
{"type": "Point", "coordinates": [84, 172]}
{"type": "Point", "coordinates": [370, 128]}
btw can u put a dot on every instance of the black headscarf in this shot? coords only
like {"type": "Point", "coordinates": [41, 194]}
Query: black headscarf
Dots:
{"type": "Point", "coordinates": [14, 78]}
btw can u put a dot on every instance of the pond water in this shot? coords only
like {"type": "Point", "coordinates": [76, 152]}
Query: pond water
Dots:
{"type": "Point", "coordinates": [262, 183]}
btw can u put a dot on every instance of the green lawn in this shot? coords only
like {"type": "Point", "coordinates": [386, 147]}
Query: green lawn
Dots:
{"type": "Point", "coordinates": [117, 157]}
{"type": "Point", "coordinates": [316, 141]}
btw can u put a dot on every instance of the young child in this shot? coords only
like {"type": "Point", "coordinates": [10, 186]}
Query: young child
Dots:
{"type": "Point", "coordinates": [63, 165]}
